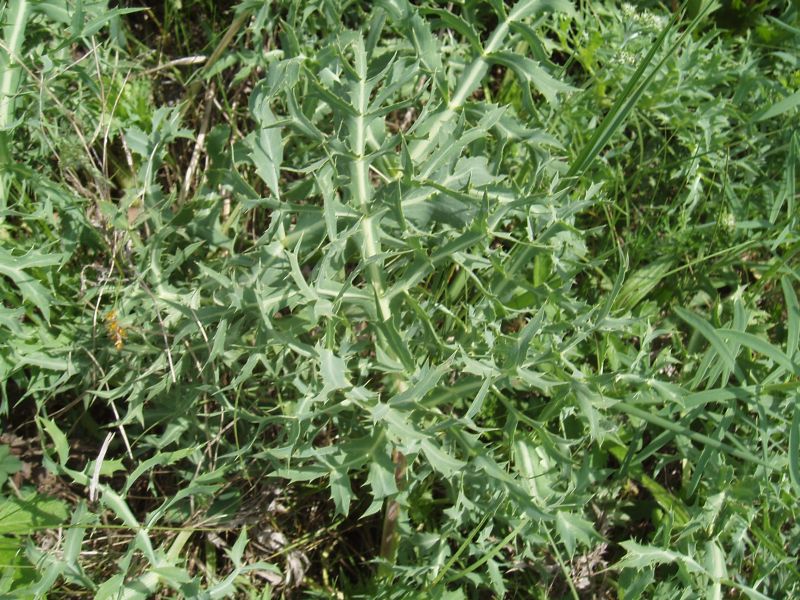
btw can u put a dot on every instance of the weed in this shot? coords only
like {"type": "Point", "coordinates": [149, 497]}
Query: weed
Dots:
{"type": "Point", "coordinates": [386, 300]}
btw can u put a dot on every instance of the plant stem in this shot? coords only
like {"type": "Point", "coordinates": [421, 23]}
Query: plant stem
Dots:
{"type": "Point", "coordinates": [468, 84]}
{"type": "Point", "coordinates": [389, 534]}
{"type": "Point", "coordinates": [360, 186]}
{"type": "Point", "coordinates": [13, 37]}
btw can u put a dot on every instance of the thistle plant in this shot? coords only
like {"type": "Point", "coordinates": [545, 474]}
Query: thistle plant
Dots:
{"type": "Point", "coordinates": [380, 302]}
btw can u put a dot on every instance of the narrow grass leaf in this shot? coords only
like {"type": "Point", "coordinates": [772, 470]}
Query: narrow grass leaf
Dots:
{"type": "Point", "coordinates": [713, 337]}
{"type": "Point", "coordinates": [761, 346]}
{"type": "Point", "coordinates": [792, 318]}
{"type": "Point", "coordinates": [794, 447]}
{"type": "Point", "coordinates": [782, 106]}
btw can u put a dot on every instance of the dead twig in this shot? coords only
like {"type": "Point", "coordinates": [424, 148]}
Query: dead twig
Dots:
{"type": "Point", "coordinates": [178, 62]}
{"type": "Point", "coordinates": [199, 144]}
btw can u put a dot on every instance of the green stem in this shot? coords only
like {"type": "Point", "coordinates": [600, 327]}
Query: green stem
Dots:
{"type": "Point", "coordinates": [13, 37]}
{"type": "Point", "coordinates": [491, 553]}
{"type": "Point", "coordinates": [468, 84]}
{"type": "Point", "coordinates": [562, 565]}
{"type": "Point", "coordinates": [360, 186]}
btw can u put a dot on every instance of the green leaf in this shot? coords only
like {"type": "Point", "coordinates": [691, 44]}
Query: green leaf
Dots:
{"type": "Point", "coordinates": [74, 537]}
{"type": "Point", "coordinates": [440, 460]}
{"type": "Point", "coordinates": [751, 593]}
{"type": "Point", "coordinates": [641, 282]}
{"type": "Point", "coordinates": [477, 402]}
{"type": "Point", "coordinates": [9, 464]}
{"type": "Point", "coordinates": [425, 44]}
{"type": "Point", "coordinates": [792, 318]}
{"type": "Point", "coordinates": [456, 23]}
{"type": "Point", "coordinates": [108, 467]}
{"type": "Point", "coordinates": [15, 268]}
{"type": "Point", "coordinates": [632, 582]}
{"type": "Point", "coordinates": [790, 102]}
{"type": "Point", "coordinates": [110, 588]}
{"type": "Point", "coordinates": [715, 566]}
{"type": "Point", "coordinates": [761, 346]}
{"type": "Point", "coordinates": [30, 513]}
{"type": "Point", "coordinates": [794, 447]}
{"type": "Point", "coordinates": [424, 381]}
{"type": "Point", "coordinates": [341, 492]}
{"type": "Point", "coordinates": [266, 150]}
{"type": "Point", "coordinates": [712, 335]}
{"type": "Point", "coordinates": [219, 340]}
{"type": "Point", "coordinates": [625, 102]}
{"type": "Point", "coordinates": [381, 476]}
{"type": "Point", "coordinates": [530, 73]}
{"type": "Point", "coordinates": [45, 361]}
{"type": "Point", "coordinates": [396, 345]}
{"type": "Point", "coordinates": [639, 556]}
{"type": "Point", "coordinates": [586, 402]}
{"type": "Point", "coordinates": [397, 424]}
{"type": "Point", "coordinates": [59, 439]}
{"type": "Point", "coordinates": [528, 8]}
{"type": "Point", "coordinates": [572, 527]}
{"type": "Point", "coordinates": [160, 458]}
{"type": "Point", "coordinates": [16, 571]}
{"type": "Point", "coordinates": [333, 370]}
{"type": "Point", "coordinates": [93, 26]}
{"type": "Point", "coordinates": [236, 551]}
{"type": "Point", "coordinates": [118, 506]}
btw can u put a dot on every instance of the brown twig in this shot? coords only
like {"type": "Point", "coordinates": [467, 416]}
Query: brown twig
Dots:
{"type": "Point", "coordinates": [199, 144]}
{"type": "Point", "coordinates": [226, 40]}
{"type": "Point", "coordinates": [389, 536]}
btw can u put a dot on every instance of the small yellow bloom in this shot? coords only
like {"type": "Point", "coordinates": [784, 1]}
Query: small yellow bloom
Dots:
{"type": "Point", "coordinates": [116, 333]}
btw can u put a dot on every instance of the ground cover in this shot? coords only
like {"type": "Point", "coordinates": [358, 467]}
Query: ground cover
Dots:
{"type": "Point", "coordinates": [392, 300]}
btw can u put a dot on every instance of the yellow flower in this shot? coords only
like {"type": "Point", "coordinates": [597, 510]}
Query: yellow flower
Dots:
{"type": "Point", "coordinates": [116, 333]}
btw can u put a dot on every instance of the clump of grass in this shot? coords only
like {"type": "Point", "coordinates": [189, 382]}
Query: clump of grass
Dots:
{"type": "Point", "coordinates": [392, 301]}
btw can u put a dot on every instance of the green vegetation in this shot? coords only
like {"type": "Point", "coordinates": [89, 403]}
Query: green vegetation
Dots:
{"type": "Point", "coordinates": [386, 299]}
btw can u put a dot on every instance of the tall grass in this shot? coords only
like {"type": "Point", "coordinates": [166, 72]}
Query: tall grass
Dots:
{"type": "Point", "coordinates": [386, 300]}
